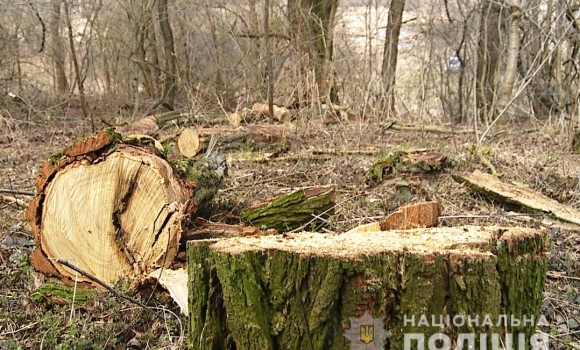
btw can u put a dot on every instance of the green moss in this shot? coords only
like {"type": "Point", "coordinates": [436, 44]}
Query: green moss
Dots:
{"type": "Point", "coordinates": [291, 211]}
{"type": "Point", "coordinates": [386, 163]}
{"type": "Point", "coordinates": [47, 291]}
{"type": "Point", "coordinates": [57, 156]}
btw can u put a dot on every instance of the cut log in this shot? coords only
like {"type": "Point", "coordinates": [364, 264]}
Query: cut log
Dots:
{"type": "Point", "coordinates": [304, 207]}
{"type": "Point", "coordinates": [300, 291]}
{"type": "Point", "coordinates": [523, 197]}
{"type": "Point", "coordinates": [281, 114]}
{"type": "Point", "coordinates": [113, 207]}
{"type": "Point", "coordinates": [412, 161]}
{"type": "Point", "coordinates": [416, 215]}
{"type": "Point", "coordinates": [272, 138]}
{"type": "Point", "coordinates": [189, 143]}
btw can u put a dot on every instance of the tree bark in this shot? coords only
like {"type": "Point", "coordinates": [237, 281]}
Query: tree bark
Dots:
{"type": "Point", "coordinates": [56, 48]}
{"type": "Point", "coordinates": [389, 68]}
{"type": "Point", "coordinates": [312, 25]}
{"type": "Point", "coordinates": [308, 207]}
{"type": "Point", "coordinates": [300, 291]}
{"type": "Point", "coordinates": [488, 53]}
{"type": "Point", "coordinates": [169, 80]}
{"type": "Point", "coordinates": [269, 65]}
{"type": "Point", "coordinates": [79, 78]}
{"type": "Point", "coordinates": [511, 69]}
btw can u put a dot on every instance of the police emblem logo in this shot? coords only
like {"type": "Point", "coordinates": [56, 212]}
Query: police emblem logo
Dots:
{"type": "Point", "coordinates": [366, 333]}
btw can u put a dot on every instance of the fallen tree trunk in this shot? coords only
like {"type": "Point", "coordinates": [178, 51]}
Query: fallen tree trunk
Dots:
{"type": "Point", "coordinates": [113, 207]}
{"type": "Point", "coordinates": [304, 207]}
{"type": "Point", "coordinates": [320, 291]}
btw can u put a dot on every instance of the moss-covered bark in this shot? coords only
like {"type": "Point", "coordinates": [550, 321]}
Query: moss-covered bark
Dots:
{"type": "Point", "coordinates": [293, 210]}
{"type": "Point", "coordinates": [284, 294]}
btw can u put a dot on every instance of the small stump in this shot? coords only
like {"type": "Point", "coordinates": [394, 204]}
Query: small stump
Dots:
{"type": "Point", "coordinates": [308, 290]}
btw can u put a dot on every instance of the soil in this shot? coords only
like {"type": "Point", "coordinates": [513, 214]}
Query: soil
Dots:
{"type": "Point", "coordinates": [533, 155]}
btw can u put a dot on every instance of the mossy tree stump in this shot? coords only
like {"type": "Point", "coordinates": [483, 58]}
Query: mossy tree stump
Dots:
{"type": "Point", "coordinates": [113, 206]}
{"type": "Point", "coordinates": [300, 291]}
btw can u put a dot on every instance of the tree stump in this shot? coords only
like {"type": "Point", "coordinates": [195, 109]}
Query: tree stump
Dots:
{"type": "Point", "coordinates": [113, 207]}
{"type": "Point", "coordinates": [308, 290]}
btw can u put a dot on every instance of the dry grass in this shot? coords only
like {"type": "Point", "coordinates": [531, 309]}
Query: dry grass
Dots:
{"type": "Point", "coordinates": [536, 156]}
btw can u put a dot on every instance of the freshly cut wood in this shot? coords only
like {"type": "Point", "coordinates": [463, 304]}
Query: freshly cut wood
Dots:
{"type": "Point", "coordinates": [113, 207]}
{"type": "Point", "coordinates": [175, 282]}
{"type": "Point", "coordinates": [281, 114]}
{"type": "Point", "coordinates": [189, 143]}
{"type": "Point", "coordinates": [523, 197]}
{"type": "Point", "coordinates": [425, 214]}
{"type": "Point", "coordinates": [304, 207]}
{"type": "Point", "coordinates": [299, 291]}
{"type": "Point", "coordinates": [235, 119]}
{"type": "Point", "coordinates": [206, 230]}
{"type": "Point", "coordinates": [255, 137]}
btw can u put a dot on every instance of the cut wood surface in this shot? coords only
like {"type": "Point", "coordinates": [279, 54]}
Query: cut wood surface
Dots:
{"type": "Point", "coordinates": [113, 207]}
{"type": "Point", "coordinates": [415, 215]}
{"type": "Point", "coordinates": [300, 291]}
{"type": "Point", "coordinates": [524, 197]}
{"type": "Point", "coordinates": [280, 113]}
{"type": "Point", "coordinates": [189, 143]}
{"type": "Point", "coordinates": [255, 137]}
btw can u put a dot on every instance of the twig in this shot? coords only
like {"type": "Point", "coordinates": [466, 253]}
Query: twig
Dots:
{"type": "Point", "coordinates": [422, 128]}
{"type": "Point", "coordinates": [11, 200]}
{"type": "Point", "coordinates": [21, 193]}
{"type": "Point", "coordinates": [555, 275]}
{"type": "Point", "coordinates": [105, 285]}
{"type": "Point", "coordinates": [490, 216]}
{"type": "Point", "coordinates": [19, 329]}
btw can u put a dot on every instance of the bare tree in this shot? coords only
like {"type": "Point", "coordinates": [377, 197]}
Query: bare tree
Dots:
{"type": "Point", "coordinates": [488, 52]}
{"type": "Point", "coordinates": [170, 68]}
{"type": "Point", "coordinates": [56, 50]}
{"type": "Point", "coordinates": [389, 69]}
{"type": "Point", "coordinates": [511, 69]}
{"type": "Point", "coordinates": [312, 24]}
{"type": "Point", "coordinates": [79, 79]}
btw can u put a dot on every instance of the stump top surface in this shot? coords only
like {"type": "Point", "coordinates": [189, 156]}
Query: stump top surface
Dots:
{"type": "Point", "coordinates": [471, 240]}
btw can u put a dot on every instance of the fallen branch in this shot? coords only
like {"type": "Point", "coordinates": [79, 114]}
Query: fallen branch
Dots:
{"type": "Point", "coordinates": [13, 200]}
{"type": "Point", "coordinates": [18, 193]}
{"type": "Point", "coordinates": [423, 128]}
{"type": "Point", "coordinates": [523, 197]}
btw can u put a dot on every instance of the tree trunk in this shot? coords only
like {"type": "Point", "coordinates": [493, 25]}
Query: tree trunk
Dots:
{"type": "Point", "coordinates": [389, 69]}
{"type": "Point", "coordinates": [511, 69]}
{"type": "Point", "coordinates": [56, 48]}
{"type": "Point", "coordinates": [309, 290]}
{"type": "Point", "coordinates": [113, 206]}
{"type": "Point", "coordinates": [79, 78]}
{"type": "Point", "coordinates": [312, 25]}
{"type": "Point", "coordinates": [169, 80]}
{"type": "Point", "coordinates": [269, 64]}
{"type": "Point", "coordinates": [488, 53]}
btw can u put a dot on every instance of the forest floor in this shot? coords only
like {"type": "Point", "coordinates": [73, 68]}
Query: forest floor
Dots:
{"type": "Point", "coordinates": [534, 154]}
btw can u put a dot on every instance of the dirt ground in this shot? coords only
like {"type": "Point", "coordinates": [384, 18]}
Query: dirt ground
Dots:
{"type": "Point", "coordinates": [535, 155]}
